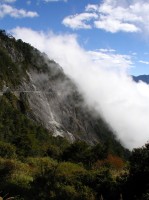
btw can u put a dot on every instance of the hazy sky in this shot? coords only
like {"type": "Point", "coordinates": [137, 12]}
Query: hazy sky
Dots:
{"type": "Point", "coordinates": [113, 29]}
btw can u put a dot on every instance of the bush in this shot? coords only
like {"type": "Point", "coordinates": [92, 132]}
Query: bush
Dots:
{"type": "Point", "coordinates": [7, 150]}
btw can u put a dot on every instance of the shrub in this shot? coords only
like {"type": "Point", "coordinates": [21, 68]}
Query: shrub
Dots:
{"type": "Point", "coordinates": [7, 150]}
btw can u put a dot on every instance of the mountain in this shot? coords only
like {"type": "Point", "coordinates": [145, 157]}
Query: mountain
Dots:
{"type": "Point", "coordinates": [144, 78]}
{"type": "Point", "coordinates": [52, 146]}
{"type": "Point", "coordinates": [38, 91]}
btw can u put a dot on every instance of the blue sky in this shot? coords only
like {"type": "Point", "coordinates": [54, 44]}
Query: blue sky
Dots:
{"type": "Point", "coordinates": [106, 29]}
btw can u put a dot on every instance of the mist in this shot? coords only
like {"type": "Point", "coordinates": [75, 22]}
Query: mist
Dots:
{"type": "Point", "coordinates": [105, 86]}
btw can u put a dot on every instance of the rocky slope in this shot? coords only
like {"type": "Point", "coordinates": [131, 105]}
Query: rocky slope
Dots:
{"type": "Point", "coordinates": [51, 97]}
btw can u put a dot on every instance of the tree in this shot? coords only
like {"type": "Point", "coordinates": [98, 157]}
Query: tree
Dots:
{"type": "Point", "coordinates": [7, 150]}
{"type": "Point", "coordinates": [76, 152]}
{"type": "Point", "coordinates": [137, 181]}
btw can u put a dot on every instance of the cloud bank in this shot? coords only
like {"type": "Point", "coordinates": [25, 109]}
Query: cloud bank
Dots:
{"type": "Point", "coordinates": [79, 21]}
{"type": "Point", "coordinates": [144, 62]}
{"type": "Point", "coordinates": [123, 103]}
{"type": "Point", "coordinates": [11, 11]}
{"type": "Point", "coordinates": [113, 16]}
{"type": "Point", "coordinates": [7, 1]}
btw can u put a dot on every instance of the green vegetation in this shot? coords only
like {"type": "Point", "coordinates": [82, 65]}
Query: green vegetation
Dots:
{"type": "Point", "coordinates": [36, 165]}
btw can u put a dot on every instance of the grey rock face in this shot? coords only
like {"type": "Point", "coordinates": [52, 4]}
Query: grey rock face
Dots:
{"type": "Point", "coordinates": [56, 103]}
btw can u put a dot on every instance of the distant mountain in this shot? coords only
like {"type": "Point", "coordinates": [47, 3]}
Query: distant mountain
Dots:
{"type": "Point", "coordinates": [144, 78]}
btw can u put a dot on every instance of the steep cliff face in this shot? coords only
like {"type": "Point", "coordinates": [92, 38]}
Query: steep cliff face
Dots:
{"type": "Point", "coordinates": [52, 98]}
{"type": "Point", "coordinates": [56, 103]}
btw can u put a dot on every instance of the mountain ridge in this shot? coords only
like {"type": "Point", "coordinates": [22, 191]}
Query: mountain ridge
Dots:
{"type": "Point", "coordinates": [144, 78]}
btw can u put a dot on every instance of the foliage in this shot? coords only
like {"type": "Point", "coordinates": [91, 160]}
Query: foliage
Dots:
{"type": "Point", "coordinates": [36, 165]}
{"type": "Point", "coordinates": [138, 180]}
{"type": "Point", "coordinates": [7, 150]}
{"type": "Point", "coordinates": [111, 161]}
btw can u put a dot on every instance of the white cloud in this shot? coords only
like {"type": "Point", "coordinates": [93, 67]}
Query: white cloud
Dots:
{"type": "Point", "coordinates": [144, 62]}
{"type": "Point", "coordinates": [115, 16]}
{"type": "Point", "coordinates": [123, 103]}
{"type": "Point", "coordinates": [133, 54]}
{"type": "Point", "coordinates": [113, 26]}
{"type": "Point", "coordinates": [110, 60]}
{"type": "Point", "coordinates": [6, 9]}
{"type": "Point", "coordinates": [106, 50]}
{"type": "Point", "coordinates": [91, 7]}
{"type": "Point", "coordinates": [48, 1]}
{"type": "Point", "coordinates": [7, 1]}
{"type": "Point", "coordinates": [79, 21]}
{"type": "Point", "coordinates": [28, 2]}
